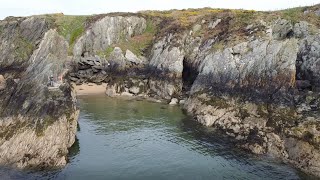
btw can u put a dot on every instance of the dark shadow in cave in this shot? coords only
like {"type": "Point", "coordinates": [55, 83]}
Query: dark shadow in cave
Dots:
{"type": "Point", "coordinates": [189, 75]}
{"type": "Point", "coordinates": [303, 76]}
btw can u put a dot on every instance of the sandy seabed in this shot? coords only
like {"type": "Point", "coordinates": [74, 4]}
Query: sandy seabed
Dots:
{"type": "Point", "coordinates": [90, 89]}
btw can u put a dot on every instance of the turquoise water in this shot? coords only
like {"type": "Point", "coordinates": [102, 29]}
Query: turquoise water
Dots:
{"type": "Point", "coordinates": [121, 139]}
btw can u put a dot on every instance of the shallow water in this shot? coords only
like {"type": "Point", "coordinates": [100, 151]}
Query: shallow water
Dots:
{"type": "Point", "coordinates": [121, 139]}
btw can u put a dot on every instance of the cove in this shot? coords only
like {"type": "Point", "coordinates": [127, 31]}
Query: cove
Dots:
{"type": "Point", "coordinates": [131, 139]}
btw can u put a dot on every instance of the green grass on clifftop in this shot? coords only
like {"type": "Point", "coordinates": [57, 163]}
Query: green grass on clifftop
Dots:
{"type": "Point", "coordinates": [70, 27]}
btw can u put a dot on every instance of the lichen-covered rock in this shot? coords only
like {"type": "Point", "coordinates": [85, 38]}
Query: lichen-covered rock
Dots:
{"type": "Point", "coordinates": [117, 59]}
{"type": "Point", "coordinates": [166, 58]}
{"type": "Point", "coordinates": [301, 29]}
{"type": "Point", "coordinates": [265, 66]}
{"type": "Point", "coordinates": [258, 81]}
{"type": "Point", "coordinates": [308, 64]}
{"type": "Point", "coordinates": [282, 29]}
{"type": "Point", "coordinates": [18, 39]}
{"type": "Point", "coordinates": [132, 57]}
{"type": "Point", "coordinates": [38, 123]}
{"type": "Point", "coordinates": [107, 31]}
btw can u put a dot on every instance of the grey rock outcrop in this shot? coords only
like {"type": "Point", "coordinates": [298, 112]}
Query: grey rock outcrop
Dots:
{"type": "Point", "coordinates": [301, 29]}
{"type": "Point", "coordinates": [132, 57]}
{"type": "Point", "coordinates": [37, 123]}
{"type": "Point", "coordinates": [107, 31]}
{"type": "Point", "coordinates": [308, 63]}
{"type": "Point", "coordinates": [18, 39]}
{"type": "Point", "coordinates": [167, 58]}
{"type": "Point", "coordinates": [281, 29]}
{"type": "Point", "coordinates": [264, 65]}
{"type": "Point", "coordinates": [257, 81]}
{"type": "Point", "coordinates": [117, 59]}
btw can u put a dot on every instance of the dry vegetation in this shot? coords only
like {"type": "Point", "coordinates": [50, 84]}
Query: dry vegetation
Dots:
{"type": "Point", "coordinates": [233, 25]}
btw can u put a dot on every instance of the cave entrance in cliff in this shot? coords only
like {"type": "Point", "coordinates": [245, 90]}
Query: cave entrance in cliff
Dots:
{"type": "Point", "coordinates": [189, 75]}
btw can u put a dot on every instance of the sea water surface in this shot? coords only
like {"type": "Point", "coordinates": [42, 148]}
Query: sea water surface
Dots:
{"type": "Point", "coordinates": [130, 139]}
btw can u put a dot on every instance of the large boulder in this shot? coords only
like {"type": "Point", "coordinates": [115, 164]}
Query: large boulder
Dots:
{"type": "Point", "coordinates": [282, 29]}
{"type": "Point", "coordinates": [117, 60]}
{"type": "Point", "coordinates": [301, 29]}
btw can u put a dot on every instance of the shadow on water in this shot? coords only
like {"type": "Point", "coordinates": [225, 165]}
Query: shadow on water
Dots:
{"type": "Point", "coordinates": [74, 150]}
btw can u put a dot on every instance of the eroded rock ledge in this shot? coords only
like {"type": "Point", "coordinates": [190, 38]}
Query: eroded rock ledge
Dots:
{"type": "Point", "coordinates": [254, 75]}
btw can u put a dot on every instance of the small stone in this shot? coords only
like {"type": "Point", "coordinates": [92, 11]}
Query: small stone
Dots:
{"type": "Point", "coordinates": [126, 94]}
{"type": "Point", "coordinates": [214, 24]}
{"type": "Point", "coordinates": [174, 101]}
{"type": "Point", "coordinates": [132, 57]}
{"type": "Point", "coordinates": [196, 28]}
{"type": "Point", "coordinates": [249, 27]}
{"type": "Point", "coordinates": [134, 90]}
{"type": "Point", "coordinates": [182, 101]}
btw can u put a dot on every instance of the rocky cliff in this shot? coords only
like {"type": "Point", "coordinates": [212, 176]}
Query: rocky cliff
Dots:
{"type": "Point", "coordinates": [37, 123]}
{"type": "Point", "coordinates": [254, 75]}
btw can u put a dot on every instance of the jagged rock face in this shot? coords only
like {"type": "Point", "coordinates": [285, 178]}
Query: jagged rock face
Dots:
{"type": "Point", "coordinates": [37, 123]}
{"type": "Point", "coordinates": [308, 63]}
{"type": "Point", "coordinates": [18, 38]}
{"type": "Point", "coordinates": [166, 58]}
{"type": "Point", "coordinates": [282, 29]}
{"type": "Point", "coordinates": [264, 66]}
{"type": "Point", "coordinates": [257, 89]}
{"type": "Point", "coordinates": [301, 29]}
{"type": "Point", "coordinates": [261, 86]}
{"type": "Point", "coordinates": [107, 31]}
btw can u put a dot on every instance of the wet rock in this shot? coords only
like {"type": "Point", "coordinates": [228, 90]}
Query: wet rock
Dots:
{"type": "Point", "coordinates": [174, 101]}
{"type": "Point", "coordinates": [111, 90]}
{"type": "Point", "coordinates": [126, 94]}
{"type": "Point", "coordinates": [182, 101]}
{"type": "Point", "coordinates": [134, 90]}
